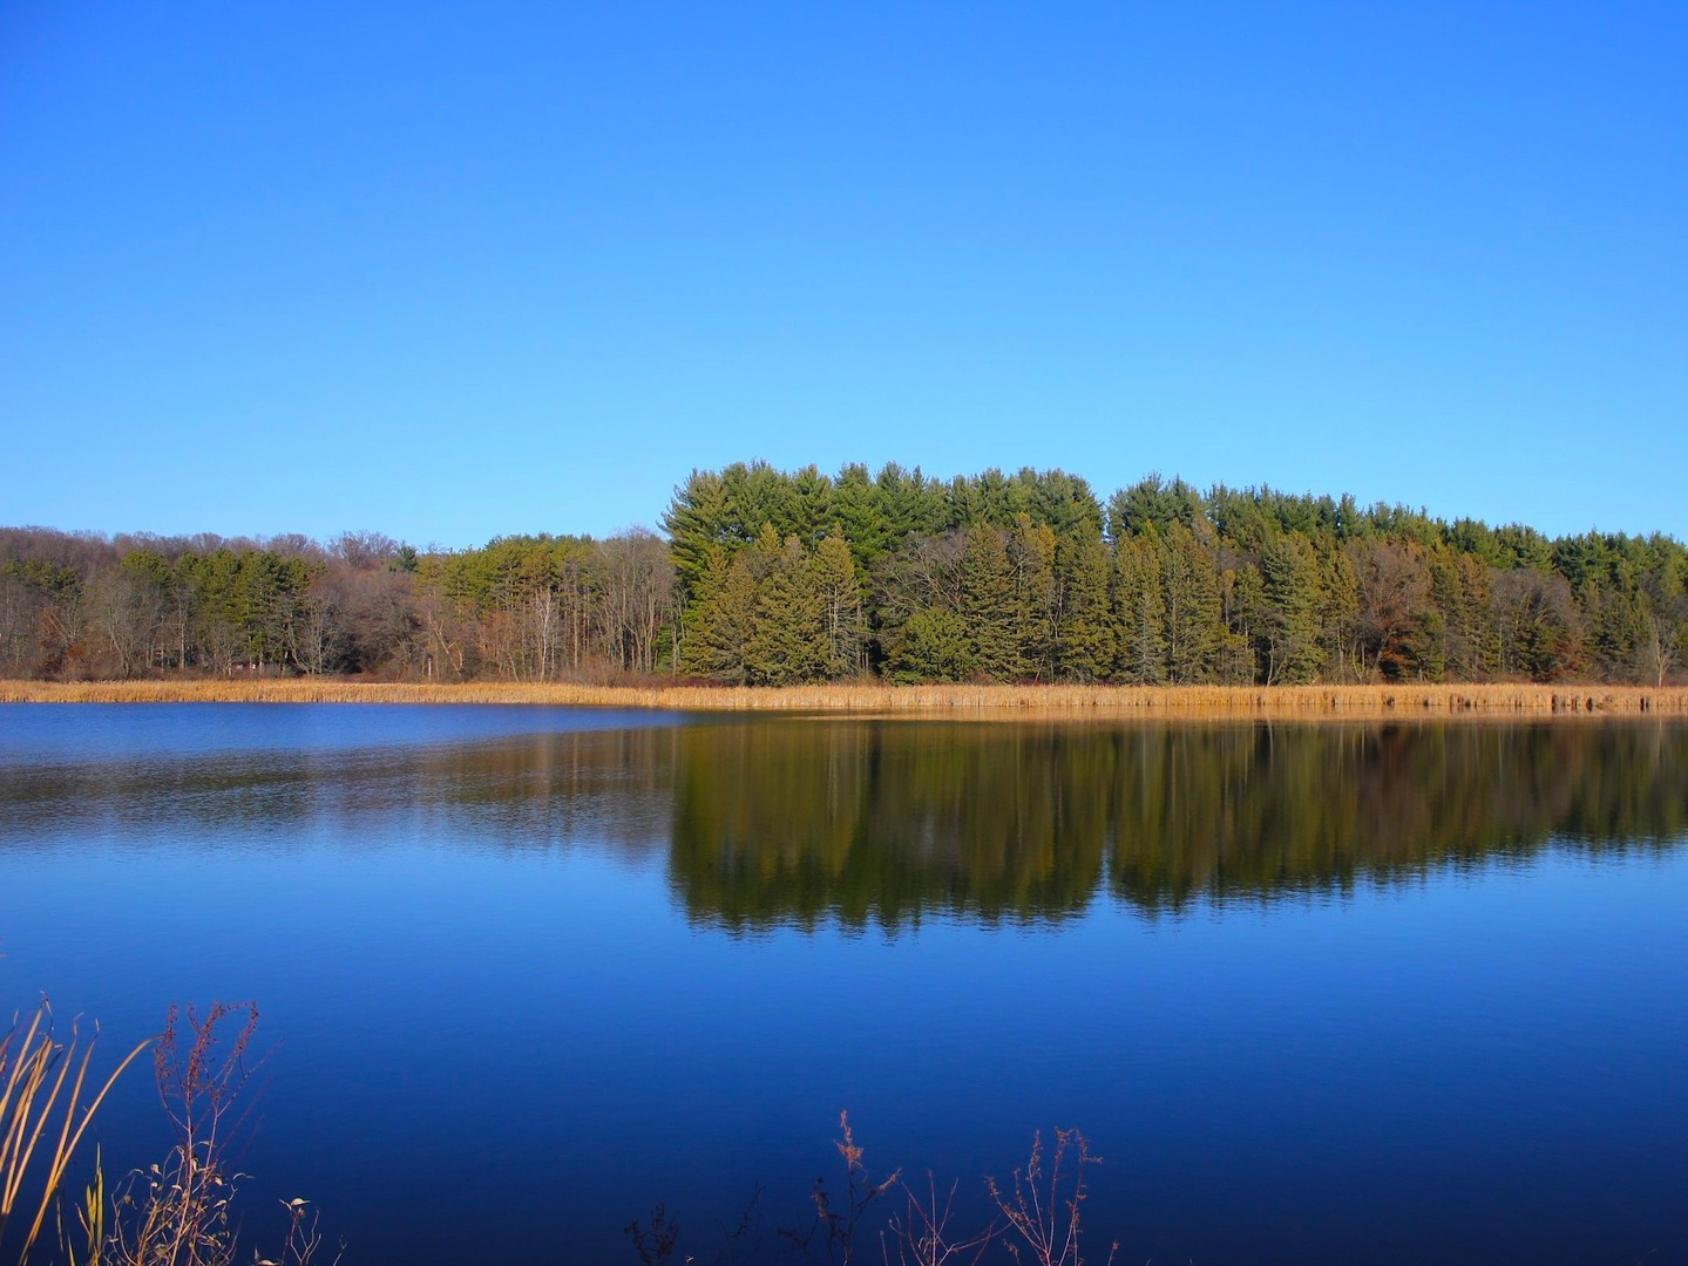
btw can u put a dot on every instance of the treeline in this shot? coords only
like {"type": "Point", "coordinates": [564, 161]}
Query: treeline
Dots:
{"type": "Point", "coordinates": [524, 608]}
{"type": "Point", "coordinates": [769, 577]}
{"type": "Point", "coordinates": [1028, 577]}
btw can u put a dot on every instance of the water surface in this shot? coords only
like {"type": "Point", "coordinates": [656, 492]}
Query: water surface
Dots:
{"type": "Point", "coordinates": [1317, 993]}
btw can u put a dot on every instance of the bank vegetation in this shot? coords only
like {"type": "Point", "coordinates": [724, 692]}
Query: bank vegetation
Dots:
{"type": "Point", "coordinates": [880, 699]}
{"type": "Point", "coordinates": [769, 578]}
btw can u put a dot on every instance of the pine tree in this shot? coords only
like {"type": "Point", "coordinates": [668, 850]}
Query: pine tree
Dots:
{"type": "Point", "coordinates": [1459, 586]}
{"type": "Point", "coordinates": [1031, 555]}
{"type": "Point", "coordinates": [838, 592]}
{"type": "Point", "coordinates": [760, 497]}
{"type": "Point", "coordinates": [1152, 503]}
{"type": "Point", "coordinates": [719, 621]}
{"type": "Point", "coordinates": [989, 605]}
{"type": "Point", "coordinates": [1085, 646]}
{"type": "Point", "coordinates": [1290, 590]}
{"type": "Point", "coordinates": [1615, 615]}
{"type": "Point", "coordinates": [1339, 612]}
{"type": "Point", "coordinates": [1194, 623]}
{"type": "Point", "coordinates": [1477, 631]}
{"type": "Point", "coordinates": [933, 645]}
{"type": "Point", "coordinates": [1244, 655]}
{"type": "Point", "coordinates": [912, 504]}
{"type": "Point", "coordinates": [811, 505]}
{"type": "Point", "coordinates": [1139, 603]}
{"type": "Point", "coordinates": [698, 525]}
{"type": "Point", "coordinates": [788, 639]}
{"type": "Point", "coordinates": [858, 514]}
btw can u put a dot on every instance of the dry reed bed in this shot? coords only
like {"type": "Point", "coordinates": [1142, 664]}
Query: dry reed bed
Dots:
{"type": "Point", "coordinates": [874, 699]}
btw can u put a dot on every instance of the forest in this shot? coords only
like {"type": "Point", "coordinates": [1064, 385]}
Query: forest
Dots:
{"type": "Point", "coordinates": [763, 576]}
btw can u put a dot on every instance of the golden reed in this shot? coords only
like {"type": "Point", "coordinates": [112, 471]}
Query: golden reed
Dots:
{"type": "Point", "coordinates": [877, 699]}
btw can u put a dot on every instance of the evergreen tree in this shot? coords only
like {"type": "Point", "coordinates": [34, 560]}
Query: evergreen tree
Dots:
{"type": "Point", "coordinates": [912, 504]}
{"type": "Point", "coordinates": [1290, 583]}
{"type": "Point", "coordinates": [1244, 653]}
{"type": "Point", "coordinates": [838, 591]}
{"type": "Point", "coordinates": [811, 505]}
{"type": "Point", "coordinates": [858, 514]}
{"type": "Point", "coordinates": [1339, 611]}
{"type": "Point", "coordinates": [760, 497]}
{"type": "Point", "coordinates": [1459, 590]}
{"type": "Point", "coordinates": [698, 525]}
{"type": "Point", "coordinates": [1085, 646]}
{"type": "Point", "coordinates": [990, 606]}
{"type": "Point", "coordinates": [1031, 555]}
{"type": "Point", "coordinates": [1139, 602]}
{"type": "Point", "coordinates": [1065, 503]}
{"type": "Point", "coordinates": [933, 645]}
{"type": "Point", "coordinates": [1194, 625]}
{"type": "Point", "coordinates": [1152, 502]}
{"type": "Point", "coordinates": [719, 621]}
{"type": "Point", "coordinates": [1615, 616]}
{"type": "Point", "coordinates": [788, 636]}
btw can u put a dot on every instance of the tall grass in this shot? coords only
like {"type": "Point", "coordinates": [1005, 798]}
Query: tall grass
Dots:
{"type": "Point", "coordinates": [177, 1213]}
{"type": "Point", "coordinates": [1035, 1217]}
{"type": "Point", "coordinates": [887, 700]}
{"type": "Point", "coordinates": [46, 1106]}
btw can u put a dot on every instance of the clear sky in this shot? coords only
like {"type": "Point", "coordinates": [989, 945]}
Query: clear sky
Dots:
{"type": "Point", "coordinates": [456, 272]}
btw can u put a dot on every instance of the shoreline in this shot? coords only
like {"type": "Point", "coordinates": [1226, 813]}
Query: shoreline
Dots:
{"type": "Point", "coordinates": [935, 701]}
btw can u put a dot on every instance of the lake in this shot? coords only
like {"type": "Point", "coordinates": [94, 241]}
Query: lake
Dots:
{"type": "Point", "coordinates": [1316, 993]}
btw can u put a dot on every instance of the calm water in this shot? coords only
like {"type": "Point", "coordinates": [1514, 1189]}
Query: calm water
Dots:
{"type": "Point", "coordinates": [1391, 994]}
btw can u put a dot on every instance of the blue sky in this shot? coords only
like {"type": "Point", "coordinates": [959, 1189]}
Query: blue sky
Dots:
{"type": "Point", "coordinates": [456, 272]}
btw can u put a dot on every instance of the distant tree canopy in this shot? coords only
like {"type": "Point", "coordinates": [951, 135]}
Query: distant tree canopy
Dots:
{"type": "Point", "coordinates": [1027, 577]}
{"type": "Point", "coordinates": [524, 608]}
{"type": "Point", "coordinates": [773, 577]}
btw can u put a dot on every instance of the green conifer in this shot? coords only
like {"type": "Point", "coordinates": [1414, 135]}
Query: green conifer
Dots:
{"type": "Point", "coordinates": [1194, 621]}
{"type": "Point", "coordinates": [1085, 647]}
{"type": "Point", "coordinates": [838, 592]}
{"type": "Point", "coordinates": [989, 605]}
{"type": "Point", "coordinates": [1139, 603]}
{"type": "Point", "coordinates": [1291, 601]}
{"type": "Point", "coordinates": [933, 645]}
{"type": "Point", "coordinates": [788, 640]}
